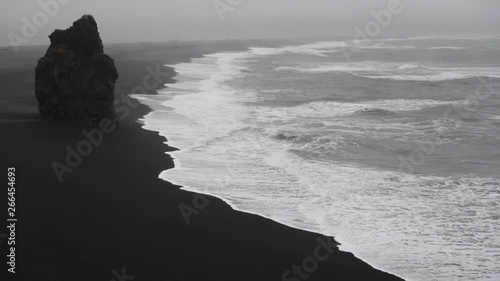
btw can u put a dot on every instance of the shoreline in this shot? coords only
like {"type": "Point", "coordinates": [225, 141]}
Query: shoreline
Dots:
{"type": "Point", "coordinates": [114, 212]}
{"type": "Point", "coordinates": [236, 209]}
{"type": "Point", "coordinates": [176, 164]}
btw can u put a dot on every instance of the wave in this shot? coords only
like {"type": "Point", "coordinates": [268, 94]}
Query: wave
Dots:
{"type": "Point", "coordinates": [225, 153]}
{"type": "Point", "coordinates": [364, 66]}
{"type": "Point", "coordinates": [409, 66]}
{"type": "Point", "coordinates": [326, 109]}
{"type": "Point", "coordinates": [415, 38]}
{"type": "Point", "coordinates": [341, 67]}
{"type": "Point", "coordinates": [384, 46]}
{"type": "Point", "coordinates": [448, 48]}
{"type": "Point", "coordinates": [323, 48]}
{"type": "Point", "coordinates": [304, 50]}
{"type": "Point", "coordinates": [404, 71]}
{"type": "Point", "coordinates": [452, 37]}
{"type": "Point", "coordinates": [444, 76]}
{"type": "Point", "coordinates": [475, 37]}
{"type": "Point", "coordinates": [196, 104]}
{"type": "Point", "coordinates": [293, 136]}
{"type": "Point", "coordinates": [376, 112]}
{"type": "Point", "coordinates": [258, 175]}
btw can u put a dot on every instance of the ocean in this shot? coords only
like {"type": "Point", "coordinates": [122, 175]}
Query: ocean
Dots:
{"type": "Point", "coordinates": [389, 145]}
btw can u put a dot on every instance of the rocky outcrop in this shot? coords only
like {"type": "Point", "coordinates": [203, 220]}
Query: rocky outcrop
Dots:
{"type": "Point", "coordinates": [75, 80]}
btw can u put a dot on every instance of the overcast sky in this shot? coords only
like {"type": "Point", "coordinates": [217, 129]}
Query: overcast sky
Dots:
{"type": "Point", "coordinates": [164, 20]}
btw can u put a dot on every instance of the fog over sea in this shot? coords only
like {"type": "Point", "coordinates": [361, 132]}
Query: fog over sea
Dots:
{"type": "Point", "coordinates": [394, 151]}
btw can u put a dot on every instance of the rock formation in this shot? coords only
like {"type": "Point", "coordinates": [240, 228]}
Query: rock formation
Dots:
{"type": "Point", "coordinates": [75, 80]}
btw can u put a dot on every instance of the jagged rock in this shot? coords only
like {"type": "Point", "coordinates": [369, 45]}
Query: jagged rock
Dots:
{"type": "Point", "coordinates": [75, 80]}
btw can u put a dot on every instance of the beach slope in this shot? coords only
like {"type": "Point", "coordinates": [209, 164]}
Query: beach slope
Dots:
{"type": "Point", "coordinates": [112, 215]}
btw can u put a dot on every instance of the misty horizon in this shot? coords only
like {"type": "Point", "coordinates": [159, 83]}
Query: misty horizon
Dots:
{"type": "Point", "coordinates": [199, 20]}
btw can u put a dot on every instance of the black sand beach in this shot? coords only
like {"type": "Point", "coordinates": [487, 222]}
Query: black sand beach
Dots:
{"type": "Point", "coordinates": [113, 213]}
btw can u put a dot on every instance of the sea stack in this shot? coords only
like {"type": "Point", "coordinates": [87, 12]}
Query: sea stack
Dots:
{"type": "Point", "coordinates": [75, 80]}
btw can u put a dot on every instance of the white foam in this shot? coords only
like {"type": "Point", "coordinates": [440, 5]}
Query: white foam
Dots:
{"type": "Point", "coordinates": [385, 46]}
{"type": "Point", "coordinates": [407, 217]}
{"type": "Point", "coordinates": [417, 38]}
{"type": "Point", "coordinates": [322, 48]}
{"type": "Point", "coordinates": [183, 86]}
{"type": "Point", "coordinates": [364, 66]}
{"type": "Point", "coordinates": [202, 102]}
{"type": "Point", "coordinates": [403, 71]}
{"type": "Point", "coordinates": [409, 66]}
{"type": "Point", "coordinates": [340, 67]}
{"type": "Point", "coordinates": [290, 49]}
{"type": "Point", "coordinates": [475, 37]}
{"type": "Point", "coordinates": [447, 48]}
{"type": "Point", "coordinates": [444, 76]}
{"type": "Point", "coordinates": [417, 227]}
{"type": "Point", "coordinates": [327, 45]}
{"type": "Point", "coordinates": [448, 36]}
{"type": "Point", "coordinates": [326, 109]}
{"type": "Point", "coordinates": [420, 228]}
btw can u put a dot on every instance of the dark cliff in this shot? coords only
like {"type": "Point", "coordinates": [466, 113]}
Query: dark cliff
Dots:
{"type": "Point", "coordinates": [75, 80]}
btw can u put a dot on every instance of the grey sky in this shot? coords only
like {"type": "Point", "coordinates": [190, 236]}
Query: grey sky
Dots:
{"type": "Point", "coordinates": [163, 20]}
